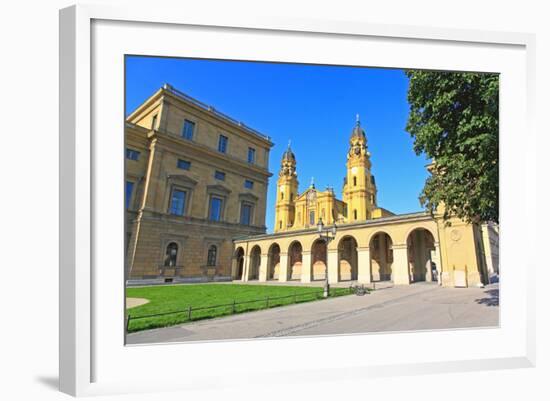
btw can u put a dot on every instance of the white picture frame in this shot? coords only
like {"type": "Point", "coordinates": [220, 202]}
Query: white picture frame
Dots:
{"type": "Point", "coordinates": [93, 358]}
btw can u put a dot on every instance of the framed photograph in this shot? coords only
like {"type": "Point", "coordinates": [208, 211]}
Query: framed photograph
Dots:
{"type": "Point", "coordinates": [244, 190]}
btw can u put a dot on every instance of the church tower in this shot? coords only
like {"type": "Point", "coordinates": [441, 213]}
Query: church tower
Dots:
{"type": "Point", "coordinates": [359, 192]}
{"type": "Point", "coordinates": [287, 189]}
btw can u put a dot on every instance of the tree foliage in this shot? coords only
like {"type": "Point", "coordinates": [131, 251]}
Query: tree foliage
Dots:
{"type": "Point", "coordinates": [453, 119]}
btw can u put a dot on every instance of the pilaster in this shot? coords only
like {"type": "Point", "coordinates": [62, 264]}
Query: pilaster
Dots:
{"type": "Point", "coordinates": [332, 265]}
{"type": "Point", "coordinates": [400, 267]}
{"type": "Point", "coordinates": [306, 267]}
{"type": "Point", "coordinates": [283, 267]}
{"type": "Point", "coordinates": [363, 265]}
{"type": "Point", "coordinates": [246, 267]}
{"type": "Point", "coordinates": [263, 268]}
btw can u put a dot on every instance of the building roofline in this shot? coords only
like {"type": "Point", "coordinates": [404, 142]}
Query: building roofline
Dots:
{"type": "Point", "coordinates": [169, 89]}
{"type": "Point", "coordinates": [226, 118]}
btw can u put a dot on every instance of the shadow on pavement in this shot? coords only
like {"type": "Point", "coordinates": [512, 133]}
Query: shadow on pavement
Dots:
{"type": "Point", "coordinates": [491, 300]}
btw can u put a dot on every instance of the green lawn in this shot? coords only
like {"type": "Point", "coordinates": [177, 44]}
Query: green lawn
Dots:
{"type": "Point", "coordinates": [166, 299]}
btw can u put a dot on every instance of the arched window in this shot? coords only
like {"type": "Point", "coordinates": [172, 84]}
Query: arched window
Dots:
{"type": "Point", "coordinates": [280, 224]}
{"type": "Point", "coordinates": [282, 195]}
{"type": "Point", "coordinates": [171, 254]}
{"type": "Point", "coordinates": [354, 181]}
{"type": "Point", "coordinates": [212, 253]}
{"type": "Point", "coordinates": [355, 214]}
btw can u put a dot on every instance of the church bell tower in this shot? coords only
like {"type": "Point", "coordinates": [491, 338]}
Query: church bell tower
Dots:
{"type": "Point", "coordinates": [287, 189]}
{"type": "Point", "coordinates": [359, 192]}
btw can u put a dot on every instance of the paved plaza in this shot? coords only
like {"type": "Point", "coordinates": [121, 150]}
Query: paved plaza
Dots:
{"type": "Point", "coordinates": [421, 306]}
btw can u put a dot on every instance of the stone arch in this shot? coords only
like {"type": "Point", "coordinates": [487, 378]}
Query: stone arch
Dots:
{"type": "Point", "coordinates": [238, 256]}
{"type": "Point", "coordinates": [347, 259]}
{"type": "Point", "coordinates": [255, 259]}
{"type": "Point", "coordinates": [420, 227]}
{"type": "Point", "coordinates": [381, 256]}
{"type": "Point", "coordinates": [295, 261]}
{"type": "Point", "coordinates": [318, 260]}
{"type": "Point", "coordinates": [273, 261]}
{"type": "Point", "coordinates": [420, 247]}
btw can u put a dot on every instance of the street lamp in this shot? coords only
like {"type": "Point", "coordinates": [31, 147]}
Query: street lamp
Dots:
{"type": "Point", "coordinates": [327, 235]}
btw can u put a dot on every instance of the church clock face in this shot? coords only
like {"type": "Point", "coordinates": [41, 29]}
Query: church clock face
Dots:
{"type": "Point", "coordinates": [354, 170]}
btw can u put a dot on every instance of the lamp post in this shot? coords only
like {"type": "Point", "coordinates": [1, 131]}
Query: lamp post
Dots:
{"type": "Point", "coordinates": [327, 235]}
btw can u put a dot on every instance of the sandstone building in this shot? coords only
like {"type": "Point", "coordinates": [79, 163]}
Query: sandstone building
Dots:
{"type": "Point", "coordinates": [195, 180]}
{"type": "Point", "coordinates": [372, 244]}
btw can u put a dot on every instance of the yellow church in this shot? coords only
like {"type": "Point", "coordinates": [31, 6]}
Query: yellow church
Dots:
{"type": "Point", "coordinates": [369, 244]}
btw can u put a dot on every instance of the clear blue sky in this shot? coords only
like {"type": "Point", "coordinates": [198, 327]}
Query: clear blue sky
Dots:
{"type": "Point", "coordinates": [312, 105]}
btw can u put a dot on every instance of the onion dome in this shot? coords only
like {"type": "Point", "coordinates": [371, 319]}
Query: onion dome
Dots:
{"type": "Point", "coordinates": [288, 163]}
{"type": "Point", "coordinates": [358, 132]}
{"type": "Point", "coordinates": [288, 155]}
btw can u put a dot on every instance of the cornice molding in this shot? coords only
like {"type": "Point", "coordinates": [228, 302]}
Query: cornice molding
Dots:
{"type": "Point", "coordinates": [182, 179]}
{"type": "Point", "coordinates": [218, 189]}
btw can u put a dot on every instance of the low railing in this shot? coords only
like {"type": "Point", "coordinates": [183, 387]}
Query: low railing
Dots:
{"type": "Point", "coordinates": [232, 308]}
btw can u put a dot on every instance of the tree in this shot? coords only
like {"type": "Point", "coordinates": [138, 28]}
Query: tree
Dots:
{"type": "Point", "coordinates": [453, 119]}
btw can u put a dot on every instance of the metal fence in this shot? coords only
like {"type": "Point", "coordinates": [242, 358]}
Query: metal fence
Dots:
{"type": "Point", "coordinates": [232, 307]}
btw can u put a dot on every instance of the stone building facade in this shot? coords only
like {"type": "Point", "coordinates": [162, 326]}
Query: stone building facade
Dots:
{"type": "Point", "coordinates": [195, 180]}
{"type": "Point", "coordinates": [372, 244]}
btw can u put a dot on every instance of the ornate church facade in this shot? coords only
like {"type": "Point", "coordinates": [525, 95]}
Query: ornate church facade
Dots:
{"type": "Point", "coordinates": [371, 244]}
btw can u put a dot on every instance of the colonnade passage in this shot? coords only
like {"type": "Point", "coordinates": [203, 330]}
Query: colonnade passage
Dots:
{"type": "Point", "coordinates": [413, 260]}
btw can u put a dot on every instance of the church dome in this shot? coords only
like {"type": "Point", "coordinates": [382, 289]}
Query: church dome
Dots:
{"type": "Point", "coordinates": [358, 132]}
{"type": "Point", "coordinates": [288, 155]}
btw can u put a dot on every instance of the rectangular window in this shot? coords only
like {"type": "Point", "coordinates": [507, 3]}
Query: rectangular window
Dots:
{"type": "Point", "coordinates": [216, 209]}
{"type": "Point", "coordinates": [212, 253]}
{"type": "Point", "coordinates": [154, 123]}
{"type": "Point", "coordinates": [132, 154]}
{"type": "Point", "coordinates": [251, 155]}
{"type": "Point", "coordinates": [184, 164]}
{"type": "Point", "coordinates": [311, 218]}
{"type": "Point", "coordinates": [177, 203]}
{"type": "Point", "coordinates": [218, 175]}
{"type": "Point", "coordinates": [248, 184]}
{"type": "Point", "coordinates": [222, 144]}
{"type": "Point", "coordinates": [188, 129]}
{"type": "Point", "coordinates": [246, 214]}
{"type": "Point", "coordinates": [129, 191]}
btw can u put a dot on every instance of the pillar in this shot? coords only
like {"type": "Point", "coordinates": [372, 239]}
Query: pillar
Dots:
{"type": "Point", "coordinates": [306, 267]}
{"type": "Point", "coordinates": [428, 263]}
{"type": "Point", "coordinates": [283, 267]}
{"type": "Point", "coordinates": [436, 258]}
{"type": "Point", "coordinates": [382, 253]}
{"type": "Point", "coordinates": [233, 268]}
{"type": "Point", "coordinates": [262, 276]}
{"type": "Point", "coordinates": [363, 265]}
{"type": "Point", "coordinates": [246, 267]}
{"type": "Point", "coordinates": [332, 265]}
{"type": "Point", "coordinates": [400, 265]}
